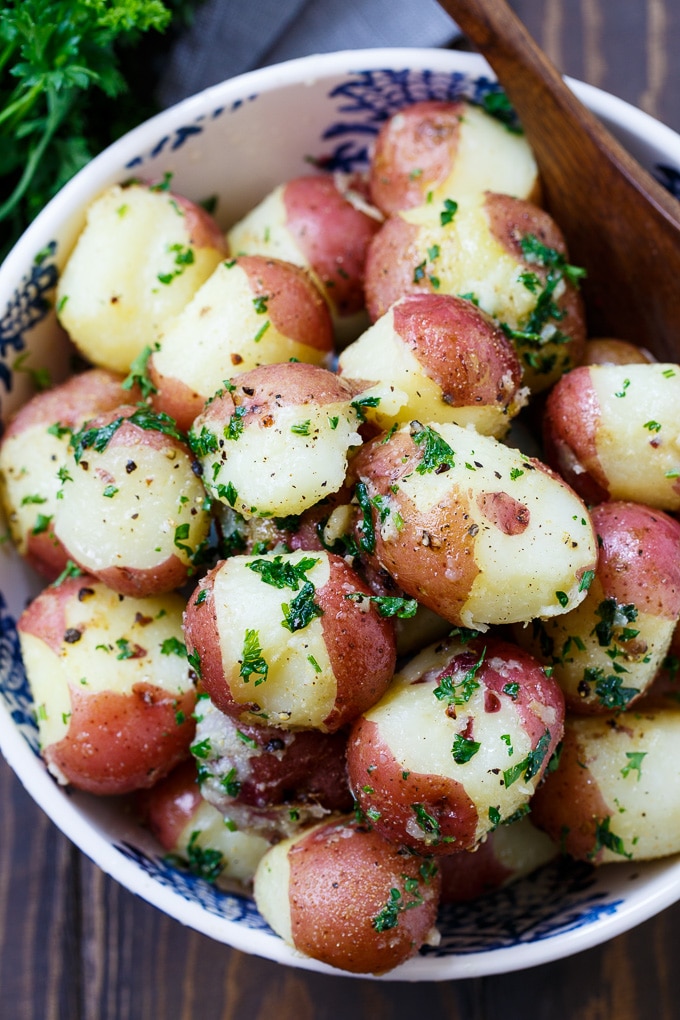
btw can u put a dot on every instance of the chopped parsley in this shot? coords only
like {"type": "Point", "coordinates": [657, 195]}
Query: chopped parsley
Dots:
{"type": "Point", "coordinates": [459, 692]}
{"type": "Point", "coordinates": [98, 438]}
{"type": "Point", "coordinates": [604, 837]}
{"type": "Point", "coordinates": [634, 763]}
{"type": "Point", "coordinates": [531, 765]}
{"type": "Point", "coordinates": [437, 455]}
{"type": "Point", "coordinates": [388, 605]}
{"type": "Point", "coordinates": [464, 749]}
{"type": "Point", "coordinates": [139, 373]}
{"type": "Point", "coordinates": [253, 662]}
{"type": "Point", "coordinates": [301, 610]}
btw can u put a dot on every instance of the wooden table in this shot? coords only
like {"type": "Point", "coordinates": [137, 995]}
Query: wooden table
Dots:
{"type": "Point", "coordinates": [74, 945]}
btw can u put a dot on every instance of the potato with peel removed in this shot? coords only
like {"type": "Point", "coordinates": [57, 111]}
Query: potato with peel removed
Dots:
{"type": "Point", "coordinates": [112, 687]}
{"type": "Point", "coordinates": [612, 431]}
{"type": "Point", "coordinates": [139, 260]}
{"type": "Point", "coordinates": [607, 651]}
{"type": "Point", "coordinates": [33, 457]}
{"type": "Point", "coordinates": [437, 357]}
{"type": "Point", "coordinates": [132, 509]}
{"type": "Point", "coordinates": [502, 252]}
{"type": "Point", "coordinates": [251, 311]}
{"type": "Point", "coordinates": [290, 640]}
{"type": "Point", "coordinates": [458, 743]}
{"type": "Point", "coordinates": [435, 149]}
{"type": "Point", "coordinates": [342, 894]}
{"type": "Point", "coordinates": [276, 440]}
{"type": "Point", "coordinates": [477, 531]}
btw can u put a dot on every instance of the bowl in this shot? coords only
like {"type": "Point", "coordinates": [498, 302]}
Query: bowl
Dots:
{"type": "Point", "coordinates": [236, 141]}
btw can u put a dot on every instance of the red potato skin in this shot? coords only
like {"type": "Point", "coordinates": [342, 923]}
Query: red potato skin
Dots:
{"type": "Point", "coordinates": [204, 231]}
{"type": "Point", "coordinates": [171, 572]}
{"type": "Point", "coordinates": [570, 423]}
{"type": "Point", "coordinates": [460, 348]}
{"type": "Point", "coordinates": [468, 875]}
{"type": "Point", "coordinates": [361, 646]}
{"type": "Point", "coordinates": [382, 787]}
{"type": "Point", "coordinates": [568, 805]}
{"type": "Point", "coordinates": [339, 884]}
{"type": "Point", "coordinates": [169, 805]}
{"type": "Point", "coordinates": [639, 560]}
{"type": "Point", "coordinates": [392, 257]}
{"type": "Point", "coordinates": [69, 404]}
{"type": "Point", "coordinates": [117, 743]}
{"type": "Point", "coordinates": [333, 235]}
{"type": "Point", "coordinates": [295, 308]}
{"type": "Point", "coordinates": [610, 351]}
{"type": "Point", "coordinates": [424, 137]}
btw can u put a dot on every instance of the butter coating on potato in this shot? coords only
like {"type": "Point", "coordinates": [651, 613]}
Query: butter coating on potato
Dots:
{"type": "Point", "coordinates": [276, 440]}
{"type": "Point", "coordinates": [434, 150]}
{"type": "Point", "coordinates": [607, 651]}
{"type": "Point", "coordinates": [251, 311]}
{"type": "Point", "coordinates": [140, 258]}
{"type": "Point", "coordinates": [112, 687]}
{"type": "Point", "coordinates": [132, 509]}
{"type": "Point", "coordinates": [475, 530]}
{"type": "Point", "coordinates": [289, 640]}
{"type": "Point", "coordinates": [612, 433]}
{"type": "Point", "coordinates": [457, 744]}
{"type": "Point", "coordinates": [437, 357]}
{"type": "Point", "coordinates": [343, 895]}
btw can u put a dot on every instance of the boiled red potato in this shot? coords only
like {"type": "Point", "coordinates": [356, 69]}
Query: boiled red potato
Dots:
{"type": "Point", "coordinates": [612, 431]}
{"type": "Point", "coordinates": [140, 258]}
{"type": "Point", "coordinates": [509, 853]}
{"type": "Point", "coordinates": [439, 358]}
{"type": "Point", "coordinates": [606, 652]}
{"type": "Point", "coordinates": [267, 780]}
{"type": "Point", "coordinates": [457, 744]}
{"type": "Point", "coordinates": [317, 223]}
{"type": "Point", "coordinates": [615, 795]}
{"type": "Point", "coordinates": [605, 350]}
{"type": "Point", "coordinates": [33, 457]}
{"type": "Point", "coordinates": [132, 509]}
{"type": "Point", "coordinates": [251, 311]}
{"type": "Point", "coordinates": [341, 894]}
{"type": "Point", "coordinates": [195, 834]}
{"type": "Point", "coordinates": [276, 441]}
{"type": "Point", "coordinates": [477, 531]}
{"type": "Point", "coordinates": [503, 253]}
{"type": "Point", "coordinates": [436, 149]}
{"type": "Point", "coordinates": [289, 640]}
{"type": "Point", "coordinates": [111, 684]}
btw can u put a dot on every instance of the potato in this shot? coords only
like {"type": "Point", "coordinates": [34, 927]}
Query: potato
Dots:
{"type": "Point", "coordinates": [276, 441]}
{"type": "Point", "coordinates": [111, 685]}
{"type": "Point", "coordinates": [132, 512]}
{"type": "Point", "coordinates": [478, 532]}
{"type": "Point", "coordinates": [616, 793]}
{"type": "Point", "coordinates": [316, 223]}
{"type": "Point", "coordinates": [267, 780]}
{"type": "Point", "coordinates": [433, 150]}
{"type": "Point", "coordinates": [288, 640]}
{"type": "Point", "coordinates": [457, 744]}
{"type": "Point", "coordinates": [508, 853]}
{"type": "Point", "coordinates": [606, 652]}
{"type": "Point", "coordinates": [251, 311]}
{"type": "Point", "coordinates": [194, 832]}
{"type": "Point", "coordinates": [341, 894]}
{"type": "Point", "coordinates": [506, 254]}
{"type": "Point", "coordinates": [612, 433]}
{"type": "Point", "coordinates": [33, 456]}
{"type": "Point", "coordinates": [610, 351]}
{"type": "Point", "coordinates": [141, 257]}
{"type": "Point", "coordinates": [438, 357]}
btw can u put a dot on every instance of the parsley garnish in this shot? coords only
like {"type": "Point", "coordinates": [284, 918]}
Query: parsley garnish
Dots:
{"type": "Point", "coordinates": [252, 660]}
{"type": "Point", "coordinates": [634, 763]}
{"type": "Point", "coordinates": [531, 765]}
{"type": "Point", "coordinates": [301, 610]}
{"type": "Point", "coordinates": [388, 605]}
{"type": "Point", "coordinates": [144, 418]}
{"type": "Point", "coordinates": [437, 454]}
{"type": "Point", "coordinates": [366, 528]}
{"type": "Point", "coordinates": [464, 749]}
{"type": "Point", "coordinates": [139, 373]}
{"type": "Point", "coordinates": [604, 837]}
{"type": "Point", "coordinates": [173, 646]}
{"type": "Point", "coordinates": [282, 573]}
{"type": "Point", "coordinates": [459, 692]}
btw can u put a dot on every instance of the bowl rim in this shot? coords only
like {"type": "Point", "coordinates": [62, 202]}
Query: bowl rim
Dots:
{"type": "Point", "coordinates": [661, 889]}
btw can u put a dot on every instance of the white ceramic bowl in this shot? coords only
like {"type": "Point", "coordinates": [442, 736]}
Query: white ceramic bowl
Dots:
{"type": "Point", "coordinates": [236, 141]}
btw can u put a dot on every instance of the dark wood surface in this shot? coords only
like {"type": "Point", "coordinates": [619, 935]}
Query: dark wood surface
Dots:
{"type": "Point", "coordinates": [74, 945]}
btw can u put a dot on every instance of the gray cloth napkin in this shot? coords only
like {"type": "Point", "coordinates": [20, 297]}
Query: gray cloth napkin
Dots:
{"type": "Point", "coordinates": [232, 36]}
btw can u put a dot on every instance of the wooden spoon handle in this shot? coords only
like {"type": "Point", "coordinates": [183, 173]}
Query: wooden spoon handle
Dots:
{"type": "Point", "coordinates": [542, 100]}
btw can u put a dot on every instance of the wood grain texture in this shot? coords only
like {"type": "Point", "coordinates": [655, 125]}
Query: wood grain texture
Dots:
{"type": "Point", "coordinates": [76, 946]}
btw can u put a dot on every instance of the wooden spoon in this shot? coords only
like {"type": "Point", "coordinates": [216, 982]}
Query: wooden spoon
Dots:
{"type": "Point", "coordinates": [618, 221]}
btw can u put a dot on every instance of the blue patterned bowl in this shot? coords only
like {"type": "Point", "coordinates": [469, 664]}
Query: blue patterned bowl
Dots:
{"type": "Point", "coordinates": [236, 141]}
